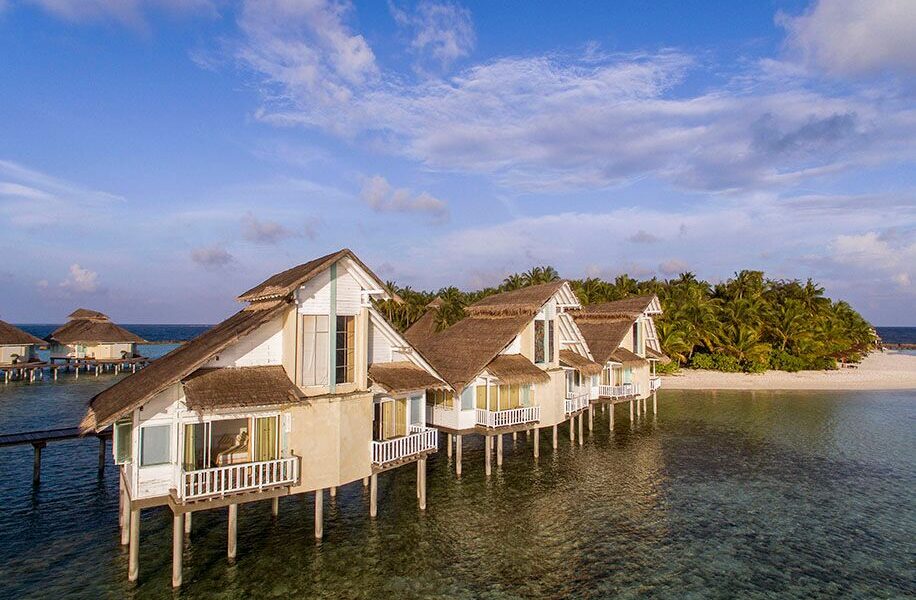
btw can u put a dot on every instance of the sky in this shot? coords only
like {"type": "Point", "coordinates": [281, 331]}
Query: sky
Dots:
{"type": "Point", "coordinates": [159, 157]}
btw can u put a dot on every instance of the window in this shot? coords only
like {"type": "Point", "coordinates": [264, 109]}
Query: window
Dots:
{"type": "Point", "coordinates": [122, 441]}
{"type": "Point", "coordinates": [550, 341]}
{"type": "Point", "coordinates": [154, 445]}
{"type": "Point", "coordinates": [344, 360]}
{"type": "Point", "coordinates": [467, 398]}
{"type": "Point", "coordinates": [315, 348]}
{"type": "Point", "coordinates": [195, 446]}
{"type": "Point", "coordinates": [539, 341]}
{"type": "Point", "coordinates": [636, 337]}
{"type": "Point", "coordinates": [265, 445]}
{"type": "Point", "coordinates": [481, 391]}
{"type": "Point", "coordinates": [390, 419]}
{"type": "Point", "coordinates": [440, 398]}
{"type": "Point", "coordinates": [416, 408]}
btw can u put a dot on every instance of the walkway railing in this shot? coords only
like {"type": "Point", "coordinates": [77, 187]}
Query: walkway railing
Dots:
{"type": "Point", "coordinates": [618, 391]}
{"type": "Point", "coordinates": [655, 383]}
{"type": "Point", "coordinates": [235, 479]}
{"type": "Point", "coordinates": [505, 418]}
{"type": "Point", "coordinates": [420, 439]}
{"type": "Point", "coordinates": [576, 400]}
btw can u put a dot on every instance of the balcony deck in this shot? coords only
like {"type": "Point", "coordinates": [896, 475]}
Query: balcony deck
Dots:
{"type": "Point", "coordinates": [627, 391]}
{"type": "Point", "coordinates": [577, 401]}
{"type": "Point", "coordinates": [496, 419]}
{"type": "Point", "coordinates": [419, 442]}
{"type": "Point", "coordinates": [219, 482]}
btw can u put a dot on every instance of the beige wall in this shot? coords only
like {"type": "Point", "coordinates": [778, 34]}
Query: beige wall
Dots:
{"type": "Point", "coordinates": [93, 350]}
{"type": "Point", "coordinates": [7, 352]}
{"type": "Point", "coordinates": [551, 397]}
{"type": "Point", "coordinates": [332, 437]}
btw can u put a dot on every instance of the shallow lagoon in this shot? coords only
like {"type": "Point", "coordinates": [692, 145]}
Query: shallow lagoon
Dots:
{"type": "Point", "coordinates": [725, 494]}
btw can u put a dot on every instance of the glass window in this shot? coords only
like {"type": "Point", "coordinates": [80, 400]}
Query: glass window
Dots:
{"type": "Point", "coordinates": [539, 341]}
{"type": "Point", "coordinates": [416, 405]}
{"type": "Point", "coordinates": [503, 397]}
{"type": "Point", "coordinates": [481, 397]}
{"type": "Point", "coordinates": [315, 347]}
{"type": "Point", "coordinates": [467, 398]}
{"type": "Point", "coordinates": [265, 429]}
{"type": "Point", "coordinates": [195, 446]}
{"type": "Point", "coordinates": [345, 342]}
{"type": "Point", "coordinates": [550, 341]}
{"type": "Point", "coordinates": [526, 395]}
{"type": "Point", "coordinates": [154, 445]}
{"type": "Point", "coordinates": [123, 441]}
{"type": "Point", "coordinates": [229, 442]}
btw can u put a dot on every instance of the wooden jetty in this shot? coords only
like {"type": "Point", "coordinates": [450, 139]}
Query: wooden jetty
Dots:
{"type": "Point", "coordinates": [40, 439]}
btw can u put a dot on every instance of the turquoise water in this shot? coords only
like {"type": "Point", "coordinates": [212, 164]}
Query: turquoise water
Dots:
{"type": "Point", "coordinates": [727, 494]}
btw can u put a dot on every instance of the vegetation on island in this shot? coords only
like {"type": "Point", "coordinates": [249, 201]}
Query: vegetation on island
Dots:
{"type": "Point", "coordinates": [746, 323]}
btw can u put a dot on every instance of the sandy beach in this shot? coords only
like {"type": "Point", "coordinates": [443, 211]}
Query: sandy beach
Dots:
{"type": "Point", "coordinates": [879, 371]}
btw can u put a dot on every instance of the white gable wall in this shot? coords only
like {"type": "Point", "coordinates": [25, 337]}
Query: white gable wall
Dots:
{"type": "Point", "coordinates": [262, 347]}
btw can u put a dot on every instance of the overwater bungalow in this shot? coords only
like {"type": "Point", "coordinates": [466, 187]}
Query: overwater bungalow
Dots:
{"type": "Point", "coordinates": [19, 353]}
{"type": "Point", "coordinates": [89, 339]}
{"type": "Point", "coordinates": [622, 337]}
{"type": "Point", "coordinates": [503, 364]}
{"type": "Point", "coordinates": [305, 389]}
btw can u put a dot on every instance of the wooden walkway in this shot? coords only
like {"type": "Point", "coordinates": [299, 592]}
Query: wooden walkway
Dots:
{"type": "Point", "coordinates": [40, 439]}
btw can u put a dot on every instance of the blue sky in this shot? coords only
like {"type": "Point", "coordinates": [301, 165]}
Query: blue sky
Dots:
{"type": "Point", "coordinates": [157, 157]}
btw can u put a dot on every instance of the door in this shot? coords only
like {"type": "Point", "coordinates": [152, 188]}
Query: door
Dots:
{"type": "Point", "coordinates": [266, 438]}
{"type": "Point", "coordinates": [416, 410]}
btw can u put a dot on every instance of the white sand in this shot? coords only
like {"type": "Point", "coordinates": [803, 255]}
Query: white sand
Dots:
{"type": "Point", "coordinates": [889, 370]}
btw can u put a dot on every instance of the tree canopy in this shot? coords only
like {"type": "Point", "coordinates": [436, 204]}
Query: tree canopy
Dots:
{"type": "Point", "coordinates": [747, 322]}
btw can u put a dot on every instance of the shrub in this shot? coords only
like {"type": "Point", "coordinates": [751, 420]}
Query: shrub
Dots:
{"type": "Point", "coordinates": [667, 368]}
{"type": "Point", "coordinates": [781, 360]}
{"type": "Point", "coordinates": [726, 363]}
{"type": "Point", "coordinates": [702, 361]}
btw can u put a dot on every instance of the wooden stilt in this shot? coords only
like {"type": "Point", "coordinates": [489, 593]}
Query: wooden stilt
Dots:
{"type": "Point", "coordinates": [554, 437]}
{"type": "Point", "coordinates": [591, 418]}
{"type": "Point", "coordinates": [187, 523]}
{"type": "Point", "coordinates": [514, 438]}
{"type": "Point", "coordinates": [449, 437]}
{"type": "Point", "coordinates": [275, 507]}
{"type": "Point", "coordinates": [488, 452]}
{"type": "Point", "coordinates": [133, 561]}
{"type": "Point", "coordinates": [125, 518]}
{"type": "Point", "coordinates": [611, 418]}
{"type": "Point", "coordinates": [581, 434]}
{"type": "Point", "coordinates": [572, 429]}
{"type": "Point", "coordinates": [36, 463]}
{"type": "Point", "coordinates": [631, 412]}
{"type": "Point", "coordinates": [365, 482]}
{"type": "Point", "coordinates": [319, 514]}
{"type": "Point", "coordinates": [537, 442]}
{"type": "Point", "coordinates": [373, 495]}
{"type": "Point", "coordinates": [655, 403]}
{"type": "Point", "coordinates": [421, 475]}
{"type": "Point", "coordinates": [177, 548]}
{"type": "Point", "coordinates": [333, 491]}
{"type": "Point", "coordinates": [458, 455]}
{"type": "Point", "coordinates": [101, 456]}
{"type": "Point", "coordinates": [499, 450]}
{"type": "Point", "coordinates": [232, 541]}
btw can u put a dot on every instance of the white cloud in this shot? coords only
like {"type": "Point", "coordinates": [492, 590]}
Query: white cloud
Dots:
{"type": "Point", "coordinates": [126, 12]}
{"type": "Point", "coordinates": [264, 231]}
{"type": "Point", "coordinates": [877, 257]}
{"type": "Point", "coordinates": [211, 257]}
{"type": "Point", "coordinates": [441, 30]}
{"type": "Point", "coordinates": [81, 280]}
{"type": "Point", "coordinates": [382, 197]}
{"type": "Point", "coordinates": [673, 266]}
{"type": "Point", "coordinates": [855, 37]}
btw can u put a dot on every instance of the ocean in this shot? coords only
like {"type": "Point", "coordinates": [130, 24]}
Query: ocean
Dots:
{"type": "Point", "coordinates": [897, 335]}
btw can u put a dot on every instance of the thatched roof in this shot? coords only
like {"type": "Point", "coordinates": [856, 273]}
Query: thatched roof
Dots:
{"type": "Point", "coordinates": [521, 301]}
{"type": "Point", "coordinates": [653, 354]}
{"type": "Point", "coordinates": [426, 326]}
{"type": "Point", "coordinates": [603, 336]}
{"type": "Point", "coordinates": [210, 389]}
{"type": "Point", "coordinates": [134, 390]}
{"type": "Point", "coordinates": [403, 376]}
{"type": "Point", "coordinates": [92, 326]}
{"type": "Point", "coordinates": [285, 283]}
{"type": "Point", "coordinates": [628, 307]}
{"type": "Point", "coordinates": [13, 336]}
{"type": "Point", "coordinates": [85, 313]}
{"type": "Point", "coordinates": [516, 369]}
{"type": "Point", "coordinates": [581, 363]}
{"type": "Point", "coordinates": [463, 350]}
{"type": "Point", "coordinates": [628, 358]}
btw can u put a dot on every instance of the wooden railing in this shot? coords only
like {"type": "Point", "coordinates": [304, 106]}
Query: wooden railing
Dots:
{"type": "Point", "coordinates": [618, 391]}
{"type": "Point", "coordinates": [655, 383]}
{"type": "Point", "coordinates": [420, 439]}
{"type": "Point", "coordinates": [505, 418]}
{"type": "Point", "coordinates": [235, 479]}
{"type": "Point", "coordinates": [576, 400]}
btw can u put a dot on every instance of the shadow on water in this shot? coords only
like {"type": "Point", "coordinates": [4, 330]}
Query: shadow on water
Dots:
{"type": "Point", "coordinates": [726, 494]}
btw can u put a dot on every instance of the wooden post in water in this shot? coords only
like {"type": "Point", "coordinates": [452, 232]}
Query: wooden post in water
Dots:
{"type": "Point", "coordinates": [537, 441]}
{"type": "Point", "coordinates": [655, 403]}
{"type": "Point", "coordinates": [554, 437]}
{"type": "Point", "coordinates": [101, 456]}
{"type": "Point", "coordinates": [572, 429]}
{"type": "Point", "coordinates": [581, 434]}
{"type": "Point", "coordinates": [333, 491]}
{"type": "Point", "coordinates": [231, 546]}
{"type": "Point", "coordinates": [499, 450]}
{"type": "Point", "coordinates": [373, 495]}
{"type": "Point", "coordinates": [319, 514]}
{"type": "Point", "coordinates": [487, 450]}
{"type": "Point", "coordinates": [591, 418]}
{"type": "Point", "coordinates": [421, 474]}
{"type": "Point", "coordinates": [365, 482]}
{"type": "Point", "coordinates": [631, 412]}
{"type": "Point", "coordinates": [187, 523]}
{"type": "Point", "coordinates": [177, 548]}
{"type": "Point", "coordinates": [275, 507]}
{"type": "Point", "coordinates": [125, 518]}
{"type": "Point", "coordinates": [514, 438]}
{"type": "Point", "coordinates": [449, 437]}
{"type": "Point", "coordinates": [458, 455]}
{"type": "Point", "coordinates": [610, 422]}
{"type": "Point", "coordinates": [133, 561]}
{"type": "Point", "coordinates": [36, 462]}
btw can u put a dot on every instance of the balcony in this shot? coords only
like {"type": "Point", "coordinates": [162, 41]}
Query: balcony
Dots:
{"type": "Point", "coordinates": [204, 484]}
{"type": "Point", "coordinates": [507, 418]}
{"type": "Point", "coordinates": [420, 439]}
{"type": "Point", "coordinates": [576, 399]}
{"type": "Point", "coordinates": [626, 390]}
{"type": "Point", "coordinates": [655, 383]}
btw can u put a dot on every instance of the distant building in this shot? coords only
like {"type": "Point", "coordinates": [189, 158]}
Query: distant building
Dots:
{"type": "Point", "coordinates": [17, 347]}
{"type": "Point", "coordinates": [90, 334]}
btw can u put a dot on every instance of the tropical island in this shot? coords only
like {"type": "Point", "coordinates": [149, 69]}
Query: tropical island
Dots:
{"type": "Point", "coordinates": [787, 332]}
